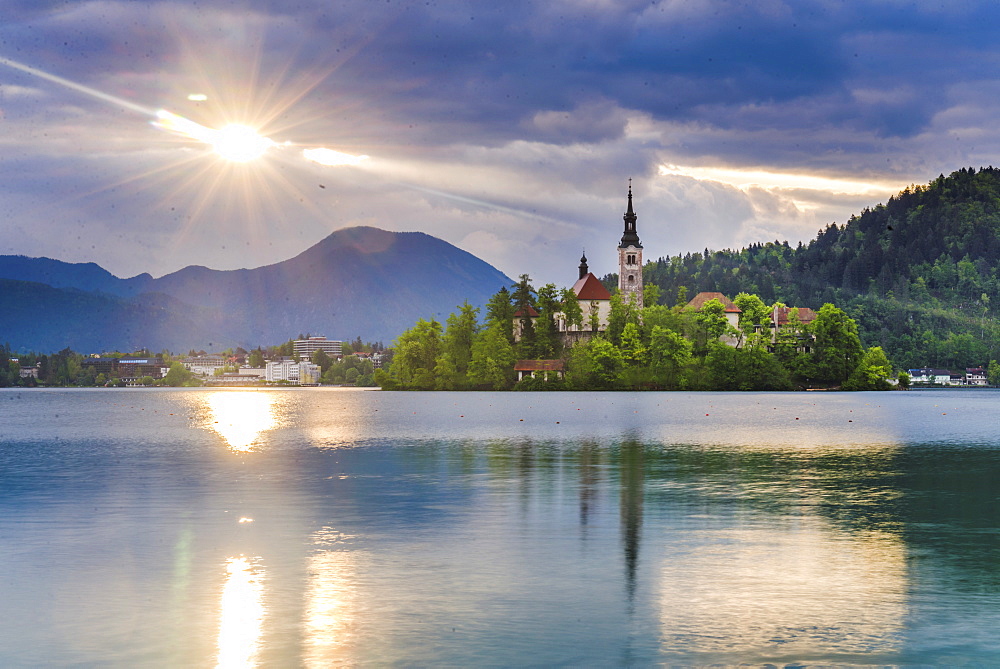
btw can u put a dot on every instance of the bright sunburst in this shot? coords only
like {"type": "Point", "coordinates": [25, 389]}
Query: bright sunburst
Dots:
{"type": "Point", "coordinates": [240, 143]}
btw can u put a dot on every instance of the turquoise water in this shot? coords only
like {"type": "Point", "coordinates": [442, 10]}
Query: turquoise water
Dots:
{"type": "Point", "coordinates": [317, 527]}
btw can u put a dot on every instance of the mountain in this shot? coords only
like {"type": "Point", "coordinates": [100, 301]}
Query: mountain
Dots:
{"type": "Point", "coordinates": [358, 282]}
{"type": "Point", "coordinates": [919, 273]}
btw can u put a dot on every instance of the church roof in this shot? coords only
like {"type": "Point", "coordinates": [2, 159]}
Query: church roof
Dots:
{"type": "Point", "coordinates": [701, 298]}
{"type": "Point", "coordinates": [590, 288]}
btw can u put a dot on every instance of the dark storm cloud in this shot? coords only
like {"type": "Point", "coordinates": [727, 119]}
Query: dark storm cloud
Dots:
{"type": "Point", "coordinates": [543, 108]}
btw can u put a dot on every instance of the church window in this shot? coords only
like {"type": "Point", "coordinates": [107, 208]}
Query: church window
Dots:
{"type": "Point", "coordinates": [631, 279]}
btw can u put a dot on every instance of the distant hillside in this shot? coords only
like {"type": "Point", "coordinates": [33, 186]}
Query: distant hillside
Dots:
{"type": "Point", "coordinates": [357, 282]}
{"type": "Point", "coordinates": [919, 273]}
{"type": "Point", "coordinates": [46, 319]}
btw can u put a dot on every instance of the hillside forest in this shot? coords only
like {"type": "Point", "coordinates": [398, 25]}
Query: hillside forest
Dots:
{"type": "Point", "coordinates": [920, 274]}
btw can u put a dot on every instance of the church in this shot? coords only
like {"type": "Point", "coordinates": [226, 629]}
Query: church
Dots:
{"type": "Point", "coordinates": [595, 300]}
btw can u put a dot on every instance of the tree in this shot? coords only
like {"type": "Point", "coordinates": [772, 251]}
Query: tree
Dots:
{"type": "Point", "coordinates": [993, 373]}
{"type": "Point", "coordinates": [753, 314]}
{"type": "Point", "coordinates": [651, 294]}
{"type": "Point", "coordinates": [256, 359]}
{"type": "Point", "coordinates": [571, 308]}
{"type": "Point", "coordinates": [547, 340]}
{"type": "Point", "coordinates": [492, 363]}
{"type": "Point", "coordinates": [871, 373]}
{"type": "Point", "coordinates": [669, 353]}
{"type": "Point", "coordinates": [321, 359]}
{"type": "Point", "coordinates": [500, 312]}
{"type": "Point", "coordinates": [621, 313]}
{"type": "Point", "coordinates": [178, 375]}
{"type": "Point", "coordinates": [837, 348]}
{"type": "Point", "coordinates": [456, 348]}
{"type": "Point", "coordinates": [416, 355]}
{"type": "Point", "coordinates": [633, 353]}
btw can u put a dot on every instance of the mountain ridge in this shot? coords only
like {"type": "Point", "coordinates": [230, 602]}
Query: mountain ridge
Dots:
{"type": "Point", "coordinates": [360, 281]}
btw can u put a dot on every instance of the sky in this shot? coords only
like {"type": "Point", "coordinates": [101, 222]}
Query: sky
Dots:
{"type": "Point", "coordinates": [509, 129]}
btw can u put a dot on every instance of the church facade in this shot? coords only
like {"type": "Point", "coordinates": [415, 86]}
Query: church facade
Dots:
{"type": "Point", "coordinates": [594, 298]}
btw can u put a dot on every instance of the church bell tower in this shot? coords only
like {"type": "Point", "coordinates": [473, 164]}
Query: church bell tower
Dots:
{"type": "Point", "coordinates": [630, 258]}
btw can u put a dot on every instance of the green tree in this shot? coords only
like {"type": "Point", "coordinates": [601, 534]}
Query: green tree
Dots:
{"type": "Point", "coordinates": [416, 355]}
{"type": "Point", "coordinates": [524, 302]}
{"type": "Point", "coordinates": [837, 348]}
{"type": "Point", "coordinates": [669, 354]}
{"type": "Point", "coordinates": [500, 311]}
{"type": "Point", "coordinates": [321, 359]}
{"type": "Point", "coordinates": [651, 294]}
{"type": "Point", "coordinates": [547, 339]}
{"type": "Point", "coordinates": [633, 353]}
{"type": "Point", "coordinates": [178, 375]}
{"type": "Point", "coordinates": [993, 373]}
{"type": "Point", "coordinates": [871, 373]}
{"type": "Point", "coordinates": [256, 359]}
{"type": "Point", "coordinates": [456, 348]}
{"type": "Point", "coordinates": [754, 316]}
{"type": "Point", "coordinates": [621, 313]}
{"type": "Point", "coordinates": [571, 308]}
{"type": "Point", "coordinates": [492, 363]}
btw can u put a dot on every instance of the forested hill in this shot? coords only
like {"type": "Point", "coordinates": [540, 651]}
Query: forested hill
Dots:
{"type": "Point", "coordinates": [919, 273]}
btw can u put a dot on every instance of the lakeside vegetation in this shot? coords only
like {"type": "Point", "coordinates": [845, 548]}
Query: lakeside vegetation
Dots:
{"type": "Point", "coordinates": [653, 348]}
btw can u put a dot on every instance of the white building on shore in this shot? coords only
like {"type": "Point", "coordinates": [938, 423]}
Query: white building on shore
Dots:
{"type": "Point", "coordinates": [304, 348]}
{"type": "Point", "coordinates": [292, 371]}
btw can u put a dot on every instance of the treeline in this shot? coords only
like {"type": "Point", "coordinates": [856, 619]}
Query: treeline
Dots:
{"type": "Point", "coordinates": [657, 347]}
{"type": "Point", "coordinates": [67, 368]}
{"type": "Point", "coordinates": [920, 274]}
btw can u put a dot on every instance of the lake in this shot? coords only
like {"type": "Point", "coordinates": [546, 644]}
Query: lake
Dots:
{"type": "Point", "coordinates": [322, 526]}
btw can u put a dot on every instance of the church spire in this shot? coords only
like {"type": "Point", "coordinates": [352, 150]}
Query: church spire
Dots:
{"type": "Point", "coordinates": [584, 270]}
{"type": "Point", "coordinates": [630, 258]}
{"type": "Point", "coordinates": [630, 236]}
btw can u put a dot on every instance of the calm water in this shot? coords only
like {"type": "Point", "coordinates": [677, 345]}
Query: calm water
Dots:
{"type": "Point", "coordinates": [316, 527]}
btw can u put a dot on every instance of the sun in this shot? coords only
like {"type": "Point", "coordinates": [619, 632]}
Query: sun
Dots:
{"type": "Point", "coordinates": [240, 143]}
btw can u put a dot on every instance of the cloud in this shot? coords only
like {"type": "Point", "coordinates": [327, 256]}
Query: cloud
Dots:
{"type": "Point", "coordinates": [509, 129]}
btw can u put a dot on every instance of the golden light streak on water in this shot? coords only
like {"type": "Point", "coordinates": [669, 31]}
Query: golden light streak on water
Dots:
{"type": "Point", "coordinates": [240, 417]}
{"type": "Point", "coordinates": [331, 600]}
{"type": "Point", "coordinates": [241, 614]}
{"type": "Point", "coordinates": [785, 592]}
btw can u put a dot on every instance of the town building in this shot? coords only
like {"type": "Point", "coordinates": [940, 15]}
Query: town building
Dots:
{"type": "Point", "coordinates": [129, 370]}
{"type": "Point", "coordinates": [732, 311]}
{"type": "Point", "coordinates": [204, 365]}
{"type": "Point", "coordinates": [546, 370]}
{"type": "Point", "coordinates": [304, 348]}
{"type": "Point", "coordinates": [293, 371]}
{"type": "Point", "coordinates": [975, 376]}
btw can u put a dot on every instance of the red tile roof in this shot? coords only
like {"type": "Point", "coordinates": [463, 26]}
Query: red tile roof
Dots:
{"type": "Point", "coordinates": [590, 288]}
{"type": "Point", "coordinates": [806, 315]}
{"type": "Point", "coordinates": [532, 313]}
{"type": "Point", "coordinates": [539, 366]}
{"type": "Point", "coordinates": [701, 298]}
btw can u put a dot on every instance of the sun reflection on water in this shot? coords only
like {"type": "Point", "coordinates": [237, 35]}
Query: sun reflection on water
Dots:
{"type": "Point", "coordinates": [331, 599]}
{"type": "Point", "coordinates": [240, 417]}
{"type": "Point", "coordinates": [241, 614]}
{"type": "Point", "coordinates": [777, 594]}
